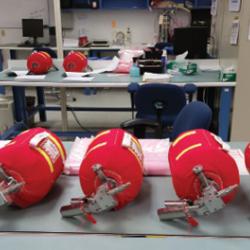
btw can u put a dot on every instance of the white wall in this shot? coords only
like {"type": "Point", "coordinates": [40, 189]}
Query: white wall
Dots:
{"type": "Point", "coordinates": [220, 32]}
{"type": "Point", "coordinates": [11, 13]}
{"type": "Point", "coordinates": [241, 120]}
{"type": "Point", "coordinates": [97, 24]}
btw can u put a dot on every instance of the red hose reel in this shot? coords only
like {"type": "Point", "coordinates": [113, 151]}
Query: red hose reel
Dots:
{"type": "Point", "coordinates": [111, 174]}
{"type": "Point", "coordinates": [75, 61]}
{"type": "Point", "coordinates": [29, 166]}
{"type": "Point", "coordinates": [39, 62]}
{"type": "Point", "coordinates": [204, 175]}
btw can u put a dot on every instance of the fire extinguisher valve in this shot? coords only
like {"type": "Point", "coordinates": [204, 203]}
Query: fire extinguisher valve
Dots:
{"type": "Point", "coordinates": [104, 199]}
{"type": "Point", "coordinates": [209, 202]}
{"type": "Point", "coordinates": [8, 186]}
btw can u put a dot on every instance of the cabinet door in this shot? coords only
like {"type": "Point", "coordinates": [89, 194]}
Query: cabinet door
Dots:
{"type": "Point", "coordinates": [125, 4]}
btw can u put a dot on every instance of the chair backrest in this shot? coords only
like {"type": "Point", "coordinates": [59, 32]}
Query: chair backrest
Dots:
{"type": "Point", "coordinates": [193, 116]}
{"type": "Point", "coordinates": [170, 96]}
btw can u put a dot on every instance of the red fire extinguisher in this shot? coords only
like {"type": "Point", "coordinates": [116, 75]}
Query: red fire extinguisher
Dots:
{"type": "Point", "coordinates": [204, 176]}
{"type": "Point", "coordinates": [75, 61]}
{"type": "Point", "coordinates": [39, 62]}
{"type": "Point", "coordinates": [29, 166]}
{"type": "Point", "coordinates": [247, 156]}
{"type": "Point", "coordinates": [111, 174]}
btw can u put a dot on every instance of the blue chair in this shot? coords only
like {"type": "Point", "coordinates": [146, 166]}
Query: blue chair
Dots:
{"type": "Point", "coordinates": [194, 115]}
{"type": "Point", "coordinates": [157, 106]}
{"type": "Point", "coordinates": [163, 108]}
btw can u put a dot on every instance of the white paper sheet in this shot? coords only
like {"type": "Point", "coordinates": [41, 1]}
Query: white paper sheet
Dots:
{"type": "Point", "coordinates": [20, 72]}
{"type": "Point", "coordinates": [153, 77]}
{"type": "Point", "coordinates": [235, 32]}
{"type": "Point", "coordinates": [214, 7]}
{"type": "Point", "coordinates": [181, 57]}
{"type": "Point", "coordinates": [3, 143]}
{"type": "Point", "coordinates": [234, 5]}
{"type": "Point", "coordinates": [78, 79]}
{"type": "Point", "coordinates": [74, 74]}
{"type": "Point", "coordinates": [80, 74]}
{"type": "Point", "coordinates": [31, 77]}
{"type": "Point", "coordinates": [112, 65]}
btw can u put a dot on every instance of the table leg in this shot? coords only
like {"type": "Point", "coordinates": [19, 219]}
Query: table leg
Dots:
{"type": "Point", "coordinates": [226, 98]}
{"type": "Point", "coordinates": [41, 103]}
{"type": "Point", "coordinates": [2, 88]}
{"type": "Point", "coordinates": [64, 109]}
{"type": "Point", "coordinates": [20, 104]}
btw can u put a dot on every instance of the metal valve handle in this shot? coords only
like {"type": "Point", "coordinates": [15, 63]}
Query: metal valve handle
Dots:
{"type": "Point", "coordinates": [8, 186]}
{"type": "Point", "coordinates": [209, 202]}
{"type": "Point", "coordinates": [104, 198]}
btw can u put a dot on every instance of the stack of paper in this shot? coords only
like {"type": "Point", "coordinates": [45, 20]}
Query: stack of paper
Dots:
{"type": "Point", "coordinates": [156, 78]}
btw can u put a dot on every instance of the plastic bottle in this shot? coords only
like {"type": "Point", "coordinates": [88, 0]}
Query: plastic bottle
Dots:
{"type": "Point", "coordinates": [164, 60]}
{"type": "Point", "coordinates": [134, 70]}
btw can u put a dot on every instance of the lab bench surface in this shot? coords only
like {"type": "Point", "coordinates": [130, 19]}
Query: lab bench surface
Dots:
{"type": "Point", "coordinates": [56, 79]}
{"type": "Point", "coordinates": [138, 218]}
{"type": "Point", "coordinates": [134, 227]}
{"type": "Point", "coordinates": [94, 242]}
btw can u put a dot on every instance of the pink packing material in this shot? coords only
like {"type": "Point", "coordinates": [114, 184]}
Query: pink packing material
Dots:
{"type": "Point", "coordinates": [155, 156]}
{"type": "Point", "coordinates": [126, 59]}
{"type": "Point", "coordinates": [75, 156]}
{"type": "Point", "coordinates": [123, 67]}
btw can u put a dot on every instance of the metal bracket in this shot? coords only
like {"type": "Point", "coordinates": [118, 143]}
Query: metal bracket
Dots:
{"type": "Point", "coordinates": [209, 202]}
{"type": "Point", "coordinates": [8, 186]}
{"type": "Point", "coordinates": [104, 198]}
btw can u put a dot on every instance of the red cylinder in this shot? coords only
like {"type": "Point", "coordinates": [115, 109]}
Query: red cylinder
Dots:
{"type": "Point", "coordinates": [39, 62]}
{"type": "Point", "coordinates": [35, 157]}
{"type": "Point", "coordinates": [247, 156]}
{"type": "Point", "coordinates": [75, 61]}
{"type": "Point", "coordinates": [200, 147]}
{"type": "Point", "coordinates": [121, 157]}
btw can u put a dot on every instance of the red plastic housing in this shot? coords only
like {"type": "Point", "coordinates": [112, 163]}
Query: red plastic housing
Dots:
{"type": "Point", "coordinates": [39, 62]}
{"type": "Point", "coordinates": [35, 157]}
{"type": "Point", "coordinates": [75, 61]}
{"type": "Point", "coordinates": [121, 157]}
{"type": "Point", "coordinates": [200, 147]}
{"type": "Point", "coordinates": [247, 156]}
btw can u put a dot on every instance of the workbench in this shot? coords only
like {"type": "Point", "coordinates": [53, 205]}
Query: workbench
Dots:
{"type": "Point", "coordinates": [202, 79]}
{"type": "Point", "coordinates": [136, 226]}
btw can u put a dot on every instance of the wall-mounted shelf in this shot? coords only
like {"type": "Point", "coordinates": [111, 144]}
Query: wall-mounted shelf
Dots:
{"type": "Point", "coordinates": [124, 4]}
{"type": "Point", "coordinates": [198, 4]}
{"type": "Point", "coordinates": [104, 4]}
